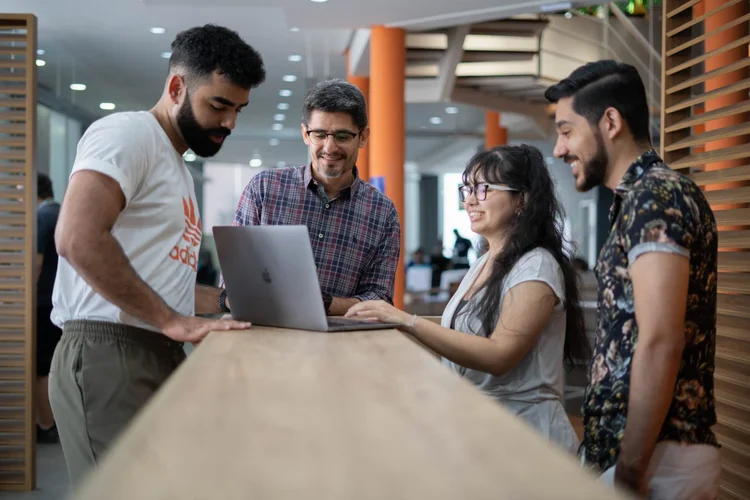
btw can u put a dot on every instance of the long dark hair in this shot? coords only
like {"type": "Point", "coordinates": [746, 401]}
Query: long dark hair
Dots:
{"type": "Point", "coordinates": [539, 224]}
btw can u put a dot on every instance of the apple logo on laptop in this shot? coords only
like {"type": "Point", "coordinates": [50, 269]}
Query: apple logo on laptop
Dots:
{"type": "Point", "coordinates": [266, 276]}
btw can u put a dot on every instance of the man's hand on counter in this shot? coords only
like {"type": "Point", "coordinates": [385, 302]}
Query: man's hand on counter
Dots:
{"type": "Point", "coordinates": [193, 329]}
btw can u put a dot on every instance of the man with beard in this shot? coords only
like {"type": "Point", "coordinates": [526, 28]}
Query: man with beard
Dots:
{"type": "Point", "coordinates": [649, 406]}
{"type": "Point", "coordinates": [354, 228]}
{"type": "Point", "coordinates": [128, 237]}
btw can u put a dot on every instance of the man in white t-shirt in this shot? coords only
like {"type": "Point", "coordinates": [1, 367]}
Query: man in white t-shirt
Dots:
{"type": "Point", "coordinates": [128, 237]}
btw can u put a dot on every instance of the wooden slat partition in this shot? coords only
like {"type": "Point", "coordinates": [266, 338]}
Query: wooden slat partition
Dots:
{"type": "Point", "coordinates": [705, 134]}
{"type": "Point", "coordinates": [17, 251]}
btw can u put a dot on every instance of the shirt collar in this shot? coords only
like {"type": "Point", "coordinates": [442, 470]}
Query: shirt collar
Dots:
{"type": "Point", "coordinates": [637, 169]}
{"type": "Point", "coordinates": [348, 192]}
{"type": "Point", "coordinates": [635, 172]}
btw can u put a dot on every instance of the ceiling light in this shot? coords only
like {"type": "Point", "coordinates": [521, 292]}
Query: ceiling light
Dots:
{"type": "Point", "coordinates": [40, 62]}
{"type": "Point", "coordinates": [256, 162]}
{"type": "Point", "coordinates": [294, 28]}
{"type": "Point", "coordinates": [295, 58]}
{"type": "Point", "coordinates": [107, 106]}
{"type": "Point", "coordinates": [289, 78]}
{"type": "Point", "coordinates": [166, 55]}
{"type": "Point", "coordinates": [568, 15]}
{"type": "Point", "coordinates": [281, 164]}
{"type": "Point", "coordinates": [158, 31]}
{"type": "Point", "coordinates": [319, 1]}
{"type": "Point", "coordinates": [77, 87]}
{"type": "Point", "coordinates": [40, 52]}
{"type": "Point", "coordinates": [283, 106]}
{"type": "Point", "coordinates": [285, 93]}
{"type": "Point", "coordinates": [451, 110]}
{"type": "Point", "coordinates": [279, 117]}
{"type": "Point", "coordinates": [436, 120]}
{"type": "Point", "coordinates": [190, 157]}
{"type": "Point", "coordinates": [277, 126]}
{"type": "Point", "coordinates": [274, 142]}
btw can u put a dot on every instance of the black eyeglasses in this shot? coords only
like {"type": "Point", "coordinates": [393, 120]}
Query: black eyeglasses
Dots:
{"type": "Point", "coordinates": [341, 137]}
{"type": "Point", "coordinates": [480, 190]}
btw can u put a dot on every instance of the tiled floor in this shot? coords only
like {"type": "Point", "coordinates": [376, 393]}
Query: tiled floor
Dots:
{"type": "Point", "coordinates": [51, 476]}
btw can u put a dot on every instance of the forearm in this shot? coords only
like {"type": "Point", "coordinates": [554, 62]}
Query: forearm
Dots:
{"type": "Point", "coordinates": [207, 300]}
{"type": "Point", "coordinates": [652, 383]}
{"type": "Point", "coordinates": [104, 266]}
{"type": "Point", "coordinates": [340, 305]}
{"type": "Point", "coordinates": [470, 351]}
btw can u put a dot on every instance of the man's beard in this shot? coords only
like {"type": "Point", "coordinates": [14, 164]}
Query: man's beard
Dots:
{"type": "Point", "coordinates": [198, 139]}
{"type": "Point", "coordinates": [594, 170]}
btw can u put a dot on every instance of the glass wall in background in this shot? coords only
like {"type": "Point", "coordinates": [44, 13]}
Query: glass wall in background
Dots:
{"type": "Point", "coordinates": [57, 140]}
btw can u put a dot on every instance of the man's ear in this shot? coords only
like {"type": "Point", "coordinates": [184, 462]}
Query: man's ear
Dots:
{"type": "Point", "coordinates": [177, 88]}
{"type": "Point", "coordinates": [612, 123]}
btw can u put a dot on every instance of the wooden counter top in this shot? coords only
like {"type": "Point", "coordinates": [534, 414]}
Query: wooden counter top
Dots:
{"type": "Point", "coordinates": [283, 414]}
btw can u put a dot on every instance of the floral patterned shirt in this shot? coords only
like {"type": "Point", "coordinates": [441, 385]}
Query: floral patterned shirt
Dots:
{"type": "Point", "coordinates": [655, 210]}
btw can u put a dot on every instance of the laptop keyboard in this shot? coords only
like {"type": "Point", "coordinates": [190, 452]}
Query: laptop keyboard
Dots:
{"type": "Point", "coordinates": [344, 321]}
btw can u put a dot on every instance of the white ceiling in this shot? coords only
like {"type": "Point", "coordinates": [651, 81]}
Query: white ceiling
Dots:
{"type": "Point", "coordinates": [106, 44]}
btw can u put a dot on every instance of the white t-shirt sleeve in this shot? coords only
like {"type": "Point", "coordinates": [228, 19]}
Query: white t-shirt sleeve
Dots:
{"type": "Point", "coordinates": [116, 146]}
{"type": "Point", "coordinates": [537, 265]}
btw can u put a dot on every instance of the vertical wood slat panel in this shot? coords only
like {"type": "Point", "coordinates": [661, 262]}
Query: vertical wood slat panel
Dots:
{"type": "Point", "coordinates": [681, 146]}
{"type": "Point", "coordinates": [17, 251]}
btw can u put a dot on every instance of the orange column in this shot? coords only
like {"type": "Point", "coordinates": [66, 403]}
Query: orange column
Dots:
{"type": "Point", "coordinates": [387, 126]}
{"type": "Point", "coordinates": [363, 84]}
{"type": "Point", "coordinates": [718, 61]}
{"type": "Point", "coordinates": [494, 133]}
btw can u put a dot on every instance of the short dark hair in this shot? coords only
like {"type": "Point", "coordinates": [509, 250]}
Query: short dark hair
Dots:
{"type": "Point", "coordinates": [599, 85]}
{"type": "Point", "coordinates": [336, 96]}
{"type": "Point", "coordinates": [204, 50]}
{"type": "Point", "coordinates": [44, 186]}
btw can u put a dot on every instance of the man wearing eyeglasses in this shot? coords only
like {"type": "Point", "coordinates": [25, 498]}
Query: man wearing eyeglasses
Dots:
{"type": "Point", "coordinates": [354, 229]}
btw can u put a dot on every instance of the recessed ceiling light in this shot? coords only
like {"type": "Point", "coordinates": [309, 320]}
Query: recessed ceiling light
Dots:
{"type": "Point", "coordinates": [40, 52]}
{"type": "Point", "coordinates": [274, 142]}
{"type": "Point", "coordinates": [285, 92]}
{"type": "Point", "coordinates": [108, 106]}
{"type": "Point", "coordinates": [295, 58]}
{"type": "Point", "coordinates": [277, 126]}
{"type": "Point", "coordinates": [190, 157]}
{"type": "Point", "coordinates": [451, 110]}
{"type": "Point", "coordinates": [158, 31]}
{"type": "Point", "coordinates": [319, 1]}
{"type": "Point", "coordinates": [256, 162]}
{"type": "Point", "coordinates": [283, 106]}
{"type": "Point", "coordinates": [279, 117]}
{"type": "Point", "coordinates": [166, 55]}
{"type": "Point", "coordinates": [436, 120]}
{"type": "Point", "coordinates": [294, 28]}
{"type": "Point", "coordinates": [77, 86]}
{"type": "Point", "coordinates": [289, 78]}
{"type": "Point", "coordinates": [40, 62]}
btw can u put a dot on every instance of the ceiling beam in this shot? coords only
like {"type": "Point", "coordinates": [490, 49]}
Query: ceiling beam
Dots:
{"type": "Point", "coordinates": [502, 104]}
{"type": "Point", "coordinates": [446, 79]}
{"type": "Point", "coordinates": [419, 90]}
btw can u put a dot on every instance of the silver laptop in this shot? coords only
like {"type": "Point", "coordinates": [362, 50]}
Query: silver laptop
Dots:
{"type": "Point", "coordinates": [271, 279]}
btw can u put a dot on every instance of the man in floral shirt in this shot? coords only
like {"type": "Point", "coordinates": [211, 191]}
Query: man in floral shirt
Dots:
{"type": "Point", "coordinates": [649, 406]}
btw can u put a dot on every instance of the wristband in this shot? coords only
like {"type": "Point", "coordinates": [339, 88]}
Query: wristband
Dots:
{"type": "Point", "coordinates": [223, 301]}
{"type": "Point", "coordinates": [327, 301]}
{"type": "Point", "coordinates": [413, 323]}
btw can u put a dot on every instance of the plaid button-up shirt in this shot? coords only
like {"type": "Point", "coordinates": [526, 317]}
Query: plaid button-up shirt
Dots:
{"type": "Point", "coordinates": [355, 237]}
